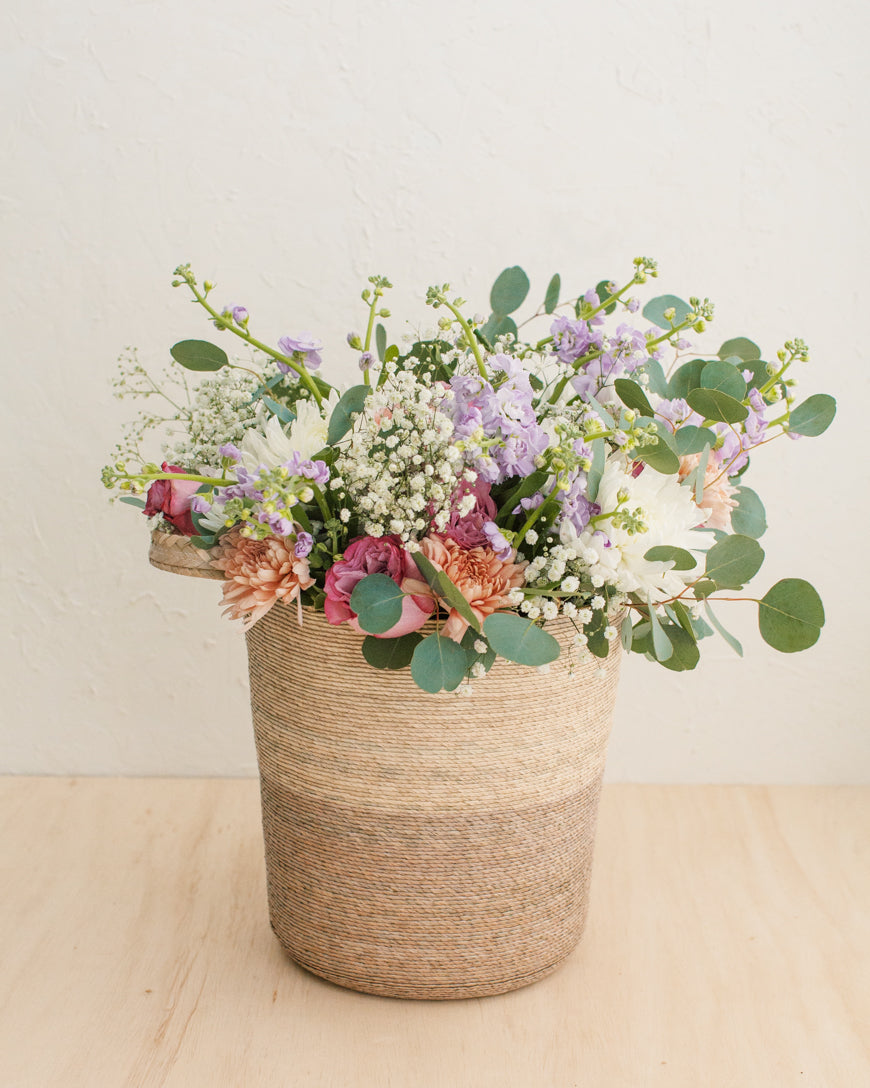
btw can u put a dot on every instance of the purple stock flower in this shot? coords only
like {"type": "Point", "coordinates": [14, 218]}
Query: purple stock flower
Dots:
{"type": "Point", "coordinates": [199, 504]}
{"type": "Point", "coordinates": [499, 544]}
{"type": "Point", "coordinates": [571, 339]}
{"type": "Point", "coordinates": [231, 452]}
{"type": "Point", "coordinates": [240, 315]}
{"type": "Point", "coordinates": [366, 360]}
{"type": "Point", "coordinates": [306, 345]}
{"type": "Point", "coordinates": [304, 544]}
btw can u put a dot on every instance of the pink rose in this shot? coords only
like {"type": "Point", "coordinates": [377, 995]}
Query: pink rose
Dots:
{"type": "Point", "coordinates": [468, 530]}
{"type": "Point", "coordinates": [171, 498]}
{"type": "Point", "coordinates": [374, 555]}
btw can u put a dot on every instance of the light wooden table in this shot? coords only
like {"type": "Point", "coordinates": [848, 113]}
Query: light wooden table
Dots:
{"type": "Point", "coordinates": [727, 947]}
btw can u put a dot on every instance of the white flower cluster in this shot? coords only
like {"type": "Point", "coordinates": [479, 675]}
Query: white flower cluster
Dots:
{"type": "Point", "coordinates": [563, 570]}
{"type": "Point", "coordinates": [221, 411]}
{"type": "Point", "coordinates": [400, 463]}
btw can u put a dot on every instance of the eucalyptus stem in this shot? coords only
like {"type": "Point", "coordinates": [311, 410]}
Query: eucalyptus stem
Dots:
{"type": "Point", "coordinates": [321, 502]}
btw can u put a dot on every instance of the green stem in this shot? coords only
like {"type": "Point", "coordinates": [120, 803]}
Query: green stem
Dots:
{"type": "Point", "coordinates": [368, 339]}
{"type": "Point", "coordinates": [243, 334]}
{"type": "Point", "coordinates": [534, 515]}
{"type": "Point", "coordinates": [469, 336]}
{"type": "Point", "coordinates": [152, 476]}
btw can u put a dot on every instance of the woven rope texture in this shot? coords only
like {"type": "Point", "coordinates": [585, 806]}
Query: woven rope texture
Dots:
{"type": "Point", "coordinates": [175, 553]}
{"type": "Point", "coordinates": [425, 846]}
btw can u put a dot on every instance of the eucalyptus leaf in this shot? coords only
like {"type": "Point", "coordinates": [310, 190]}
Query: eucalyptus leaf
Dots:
{"type": "Point", "coordinates": [748, 517]}
{"type": "Point", "coordinates": [729, 638]}
{"type": "Point", "coordinates": [509, 291]}
{"type": "Point", "coordinates": [813, 416]}
{"type": "Point", "coordinates": [662, 645]}
{"type": "Point", "coordinates": [733, 561]}
{"type": "Point", "coordinates": [381, 341]}
{"type": "Point", "coordinates": [664, 553]}
{"type": "Point", "coordinates": [520, 639]}
{"type": "Point", "coordinates": [662, 455]}
{"type": "Point", "coordinates": [280, 410]}
{"type": "Point", "coordinates": [701, 475]}
{"type": "Point", "coordinates": [441, 585]}
{"type": "Point", "coordinates": [377, 601]}
{"type": "Point", "coordinates": [199, 355]}
{"type": "Point", "coordinates": [716, 405]}
{"type": "Point", "coordinates": [390, 653]}
{"type": "Point", "coordinates": [132, 500]}
{"type": "Point", "coordinates": [626, 634]}
{"type": "Point", "coordinates": [791, 615]}
{"type": "Point", "coordinates": [691, 439]}
{"type": "Point", "coordinates": [685, 653]}
{"type": "Point", "coordinates": [351, 403]}
{"type": "Point", "coordinates": [654, 310]}
{"type": "Point", "coordinates": [596, 469]}
{"type": "Point", "coordinates": [551, 299]}
{"type": "Point", "coordinates": [632, 396]}
{"type": "Point", "coordinates": [686, 378]}
{"type": "Point", "coordinates": [744, 349]}
{"type": "Point", "coordinates": [498, 325]}
{"type": "Point", "coordinates": [438, 663]}
{"type": "Point", "coordinates": [658, 383]}
{"type": "Point", "coordinates": [724, 377]}
{"type": "Point", "coordinates": [391, 353]}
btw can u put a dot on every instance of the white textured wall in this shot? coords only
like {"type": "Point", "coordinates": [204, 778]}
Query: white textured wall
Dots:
{"type": "Point", "coordinates": [290, 149]}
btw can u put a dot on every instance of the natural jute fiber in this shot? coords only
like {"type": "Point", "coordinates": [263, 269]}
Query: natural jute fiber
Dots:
{"type": "Point", "coordinates": [425, 846]}
{"type": "Point", "coordinates": [177, 555]}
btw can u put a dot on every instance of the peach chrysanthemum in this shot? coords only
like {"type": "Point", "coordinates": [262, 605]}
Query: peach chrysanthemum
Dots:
{"type": "Point", "coordinates": [718, 492]}
{"type": "Point", "coordinates": [257, 574]}
{"type": "Point", "coordinates": [481, 577]}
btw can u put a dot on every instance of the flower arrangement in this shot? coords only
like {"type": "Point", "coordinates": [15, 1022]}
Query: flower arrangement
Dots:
{"type": "Point", "coordinates": [479, 482]}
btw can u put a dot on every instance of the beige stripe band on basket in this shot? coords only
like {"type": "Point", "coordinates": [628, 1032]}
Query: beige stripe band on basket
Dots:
{"type": "Point", "coordinates": [417, 845]}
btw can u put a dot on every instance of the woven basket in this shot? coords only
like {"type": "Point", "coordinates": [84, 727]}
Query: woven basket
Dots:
{"type": "Point", "coordinates": [177, 555]}
{"type": "Point", "coordinates": [417, 845]}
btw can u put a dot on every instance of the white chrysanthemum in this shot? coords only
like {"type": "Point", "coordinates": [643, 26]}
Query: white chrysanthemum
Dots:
{"type": "Point", "coordinates": [669, 514]}
{"type": "Point", "coordinates": [271, 445]}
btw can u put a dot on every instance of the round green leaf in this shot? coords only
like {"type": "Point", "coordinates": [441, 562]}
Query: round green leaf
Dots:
{"type": "Point", "coordinates": [733, 561]}
{"type": "Point", "coordinates": [658, 383]}
{"type": "Point", "coordinates": [381, 341]}
{"type": "Point", "coordinates": [686, 378]}
{"type": "Point", "coordinates": [509, 291]}
{"type": "Point", "coordinates": [551, 299]}
{"type": "Point", "coordinates": [199, 355]}
{"type": "Point", "coordinates": [438, 663]}
{"type": "Point", "coordinates": [661, 456]}
{"type": "Point", "coordinates": [791, 615]}
{"type": "Point", "coordinates": [741, 347]}
{"type": "Point", "coordinates": [725, 377]}
{"type": "Point", "coordinates": [520, 639]}
{"type": "Point", "coordinates": [690, 439]}
{"type": "Point", "coordinates": [685, 654]}
{"type": "Point", "coordinates": [814, 416]}
{"type": "Point", "coordinates": [632, 396]}
{"type": "Point", "coordinates": [716, 405]}
{"type": "Point", "coordinates": [340, 422]}
{"type": "Point", "coordinates": [498, 325]}
{"type": "Point", "coordinates": [390, 653]}
{"type": "Point", "coordinates": [664, 553]}
{"type": "Point", "coordinates": [654, 310]}
{"type": "Point", "coordinates": [377, 601]}
{"type": "Point", "coordinates": [747, 517]}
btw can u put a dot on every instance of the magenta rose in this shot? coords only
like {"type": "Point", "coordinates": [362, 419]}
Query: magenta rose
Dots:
{"type": "Point", "coordinates": [171, 498]}
{"type": "Point", "coordinates": [468, 531]}
{"type": "Point", "coordinates": [374, 555]}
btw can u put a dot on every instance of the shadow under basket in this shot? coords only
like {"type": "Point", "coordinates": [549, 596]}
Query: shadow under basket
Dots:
{"type": "Point", "coordinates": [418, 845]}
